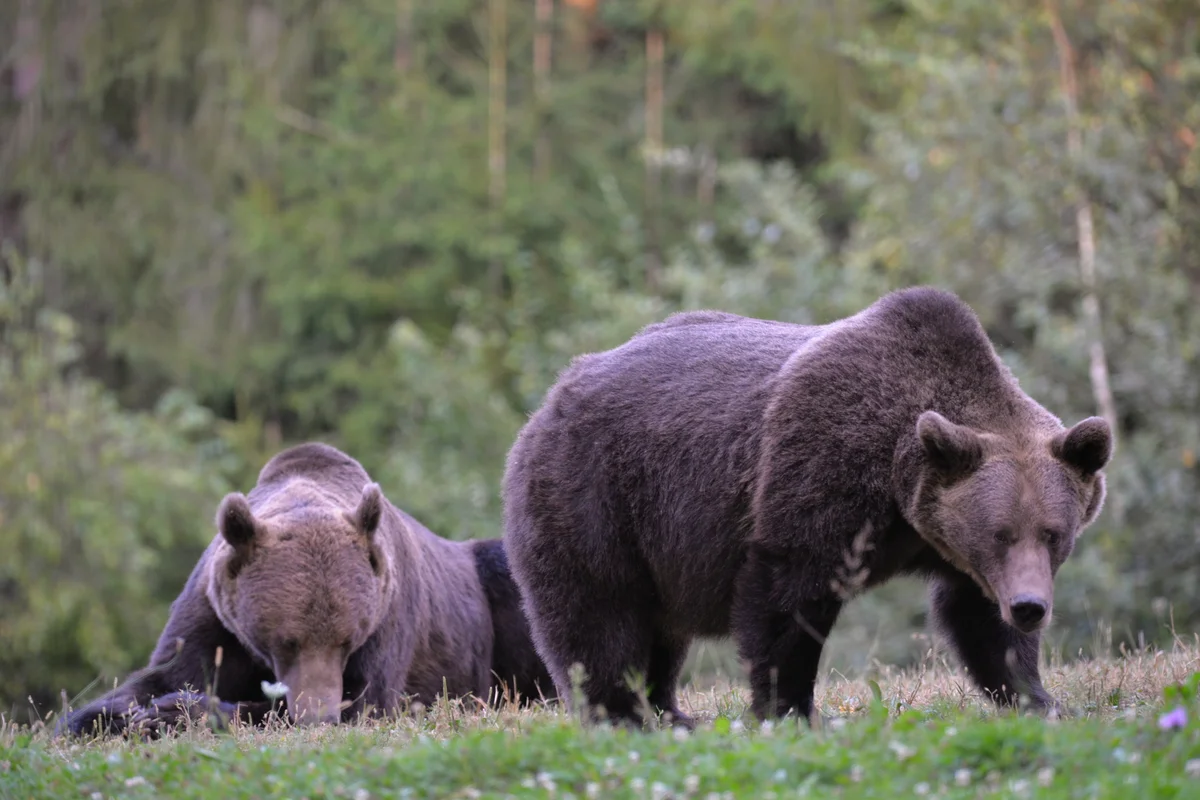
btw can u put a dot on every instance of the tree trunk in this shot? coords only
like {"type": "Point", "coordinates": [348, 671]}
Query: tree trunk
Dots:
{"type": "Point", "coordinates": [497, 106]}
{"type": "Point", "coordinates": [402, 55]}
{"type": "Point", "coordinates": [542, 40]}
{"type": "Point", "coordinates": [1085, 230]}
{"type": "Point", "coordinates": [652, 152]}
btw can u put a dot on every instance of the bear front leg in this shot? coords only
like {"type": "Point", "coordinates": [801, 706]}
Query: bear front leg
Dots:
{"type": "Point", "coordinates": [180, 709]}
{"type": "Point", "coordinates": [184, 660]}
{"type": "Point", "coordinates": [781, 632]}
{"type": "Point", "coordinates": [1002, 661]}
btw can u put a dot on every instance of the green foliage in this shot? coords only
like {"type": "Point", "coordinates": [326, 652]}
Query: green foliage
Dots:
{"type": "Point", "coordinates": [102, 511]}
{"type": "Point", "coordinates": [261, 224]}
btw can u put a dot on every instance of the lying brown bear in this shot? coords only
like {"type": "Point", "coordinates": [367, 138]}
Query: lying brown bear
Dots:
{"type": "Point", "coordinates": [711, 476]}
{"type": "Point", "coordinates": [317, 581]}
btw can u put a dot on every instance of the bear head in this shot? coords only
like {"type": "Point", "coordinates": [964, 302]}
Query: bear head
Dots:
{"type": "Point", "coordinates": [1006, 509]}
{"type": "Point", "coordinates": [303, 585]}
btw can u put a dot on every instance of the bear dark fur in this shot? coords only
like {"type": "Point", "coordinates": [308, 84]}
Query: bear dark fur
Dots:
{"type": "Point", "coordinates": [716, 474]}
{"type": "Point", "coordinates": [317, 581]}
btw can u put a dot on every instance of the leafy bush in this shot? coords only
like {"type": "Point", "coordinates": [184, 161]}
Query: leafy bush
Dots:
{"type": "Point", "coordinates": [102, 511]}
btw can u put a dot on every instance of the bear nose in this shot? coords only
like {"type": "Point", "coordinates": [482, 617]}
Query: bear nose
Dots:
{"type": "Point", "coordinates": [1027, 611]}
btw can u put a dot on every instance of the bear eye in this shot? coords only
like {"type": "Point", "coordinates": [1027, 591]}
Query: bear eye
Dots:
{"type": "Point", "coordinates": [1004, 536]}
{"type": "Point", "coordinates": [1053, 537]}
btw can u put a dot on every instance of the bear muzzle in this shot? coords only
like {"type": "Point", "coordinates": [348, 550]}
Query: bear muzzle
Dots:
{"type": "Point", "coordinates": [314, 693]}
{"type": "Point", "coordinates": [1025, 587]}
{"type": "Point", "coordinates": [1028, 611]}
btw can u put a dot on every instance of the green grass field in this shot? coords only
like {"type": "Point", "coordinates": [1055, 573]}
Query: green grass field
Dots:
{"type": "Point", "coordinates": [920, 732]}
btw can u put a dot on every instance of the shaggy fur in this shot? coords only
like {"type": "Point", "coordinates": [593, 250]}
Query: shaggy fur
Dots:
{"type": "Point", "coordinates": [715, 475]}
{"type": "Point", "coordinates": [316, 580]}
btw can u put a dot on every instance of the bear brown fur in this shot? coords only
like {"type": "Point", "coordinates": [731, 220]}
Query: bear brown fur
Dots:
{"type": "Point", "coordinates": [716, 474]}
{"type": "Point", "coordinates": [317, 581]}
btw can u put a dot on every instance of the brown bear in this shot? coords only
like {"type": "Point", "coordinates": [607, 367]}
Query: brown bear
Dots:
{"type": "Point", "coordinates": [315, 580]}
{"type": "Point", "coordinates": [715, 474]}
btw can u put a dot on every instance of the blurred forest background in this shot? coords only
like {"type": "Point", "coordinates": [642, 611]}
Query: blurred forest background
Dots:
{"type": "Point", "coordinates": [233, 225]}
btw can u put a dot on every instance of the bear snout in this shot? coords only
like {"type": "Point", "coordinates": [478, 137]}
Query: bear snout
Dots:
{"type": "Point", "coordinates": [314, 693]}
{"type": "Point", "coordinates": [310, 709]}
{"type": "Point", "coordinates": [1028, 612]}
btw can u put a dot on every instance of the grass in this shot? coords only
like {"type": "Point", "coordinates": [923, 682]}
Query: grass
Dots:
{"type": "Point", "coordinates": [918, 732]}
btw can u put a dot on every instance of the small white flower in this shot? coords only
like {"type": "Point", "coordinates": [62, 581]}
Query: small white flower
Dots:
{"type": "Point", "coordinates": [737, 726]}
{"type": "Point", "coordinates": [1045, 776]}
{"type": "Point", "coordinates": [546, 781]}
{"type": "Point", "coordinates": [837, 723]}
{"type": "Point", "coordinates": [1020, 786]}
{"type": "Point", "coordinates": [1192, 768]}
{"type": "Point", "coordinates": [921, 788]}
{"type": "Point", "coordinates": [136, 780]}
{"type": "Point", "coordinates": [610, 766]}
{"type": "Point", "coordinates": [592, 790]}
{"type": "Point", "coordinates": [659, 791]}
{"type": "Point", "coordinates": [767, 727]}
{"type": "Point", "coordinates": [274, 691]}
{"type": "Point", "coordinates": [113, 758]}
{"type": "Point", "coordinates": [903, 752]}
{"type": "Point", "coordinates": [680, 733]}
{"type": "Point", "coordinates": [691, 784]}
{"type": "Point", "coordinates": [362, 794]}
{"type": "Point", "coordinates": [951, 731]}
{"type": "Point", "coordinates": [856, 773]}
{"type": "Point", "coordinates": [962, 777]}
{"type": "Point", "coordinates": [97, 796]}
{"type": "Point", "coordinates": [638, 785]}
{"type": "Point", "coordinates": [771, 233]}
{"type": "Point", "coordinates": [634, 756]}
{"type": "Point", "coordinates": [780, 775]}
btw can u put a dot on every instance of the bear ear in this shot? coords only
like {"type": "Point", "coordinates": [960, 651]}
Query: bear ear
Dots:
{"type": "Point", "coordinates": [1087, 446]}
{"type": "Point", "coordinates": [236, 521]}
{"type": "Point", "coordinates": [370, 510]}
{"type": "Point", "coordinates": [954, 450]}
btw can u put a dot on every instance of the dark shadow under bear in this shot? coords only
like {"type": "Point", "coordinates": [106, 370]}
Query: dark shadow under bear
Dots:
{"type": "Point", "coordinates": [712, 475]}
{"type": "Point", "coordinates": [317, 581]}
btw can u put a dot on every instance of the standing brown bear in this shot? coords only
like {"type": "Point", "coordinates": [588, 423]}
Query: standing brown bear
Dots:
{"type": "Point", "coordinates": [711, 475]}
{"type": "Point", "coordinates": [317, 581]}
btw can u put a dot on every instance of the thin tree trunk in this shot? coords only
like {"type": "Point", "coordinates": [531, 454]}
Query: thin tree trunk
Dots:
{"type": "Point", "coordinates": [402, 55]}
{"type": "Point", "coordinates": [1101, 386]}
{"type": "Point", "coordinates": [706, 182]}
{"type": "Point", "coordinates": [27, 67]}
{"type": "Point", "coordinates": [653, 151]}
{"type": "Point", "coordinates": [497, 90]}
{"type": "Point", "coordinates": [542, 40]}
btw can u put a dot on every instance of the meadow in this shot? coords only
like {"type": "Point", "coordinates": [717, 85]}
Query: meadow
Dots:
{"type": "Point", "coordinates": [1132, 729]}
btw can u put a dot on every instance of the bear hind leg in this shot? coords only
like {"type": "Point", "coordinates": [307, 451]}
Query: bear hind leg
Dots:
{"type": "Point", "coordinates": [780, 635]}
{"type": "Point", "coordinates": [662, 679]}
{"type": "Point", "coordinates": [611, 642]}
